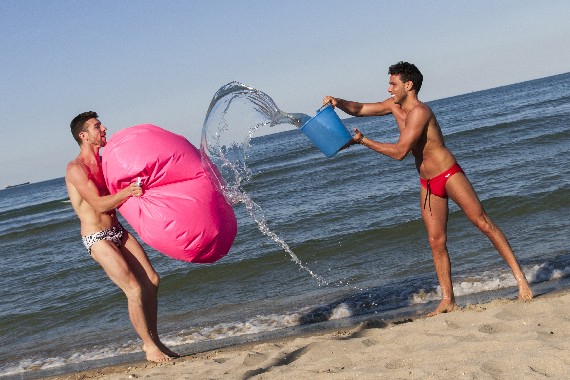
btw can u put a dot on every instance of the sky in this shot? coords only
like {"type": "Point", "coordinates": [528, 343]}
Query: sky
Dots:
{"type": "Point", "coordinates": [161, 62]}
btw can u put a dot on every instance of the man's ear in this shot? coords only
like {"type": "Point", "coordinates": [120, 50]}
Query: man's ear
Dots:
{"type": "Point", "coordinates": [409, 85]}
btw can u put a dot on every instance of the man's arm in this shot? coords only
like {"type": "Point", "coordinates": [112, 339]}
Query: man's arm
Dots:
{"type": "Point", "coordinates": [77, 175]}
{"type": "Point", "coordinates": [416, 122]}
{"type": "Point", "coordinates": [363, 109]}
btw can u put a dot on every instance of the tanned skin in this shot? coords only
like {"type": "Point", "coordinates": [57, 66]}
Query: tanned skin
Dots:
{"type": "Point", "coordinates": [128, 266]}
{"type": "Point", "coordinates": [421, 135]}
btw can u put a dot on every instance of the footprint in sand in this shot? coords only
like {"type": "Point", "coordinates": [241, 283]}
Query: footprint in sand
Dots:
{"type": "Point", "coordinates": [491, 328]}
{"type": "Point", "coordinates": [398, 364]}
{"type": "Point", "coordinates": [509, 315]}
{"type": "Point", "coordinates": [254, 358]}
{"type": "Point", "coordinates": [452, 325]}
{"type": "Point", "coordinates": [495, 371]}
{"type": "Point", "coordinates": [369, 342]}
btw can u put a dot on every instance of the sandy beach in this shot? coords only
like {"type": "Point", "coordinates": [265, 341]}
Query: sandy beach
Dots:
{"type": "Point", "coordinates": [502, 339]}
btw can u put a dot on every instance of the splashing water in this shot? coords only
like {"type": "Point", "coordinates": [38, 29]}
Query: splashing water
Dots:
{"type": "Point", "coordinates": [234, 109]}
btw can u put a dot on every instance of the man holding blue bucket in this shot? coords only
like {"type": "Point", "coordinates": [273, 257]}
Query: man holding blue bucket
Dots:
{"type": "Point", "coordinates": [440, 174]}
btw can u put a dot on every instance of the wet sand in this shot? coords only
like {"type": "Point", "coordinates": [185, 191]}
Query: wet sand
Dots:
{"type": "Point", "coordinates": [502, 339]}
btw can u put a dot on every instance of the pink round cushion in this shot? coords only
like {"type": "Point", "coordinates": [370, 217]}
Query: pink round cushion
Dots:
{"type": "Point", "coordinates": [180, 214]}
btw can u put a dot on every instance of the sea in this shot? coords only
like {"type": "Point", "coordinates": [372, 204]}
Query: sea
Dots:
{"type": "Point", "coordinates": [322, 243]}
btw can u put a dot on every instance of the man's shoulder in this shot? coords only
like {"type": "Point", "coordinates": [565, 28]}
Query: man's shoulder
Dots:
{"type": "Point", "coordinates": [424, 106]}
{"type": "Point", "coordinates": [74, 164]}
{"type": "Point", "coordinates": [422, 109]}
{"type": "Point", "coordinates": [74, 168]}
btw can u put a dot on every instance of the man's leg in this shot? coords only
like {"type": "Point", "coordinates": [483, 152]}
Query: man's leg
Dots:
{"type": "Point", "coordinates": [436, 225]}
{"type": "Point", "coordinates": [460, 190]}
{"type": "Point", "coordinates": [143, 269]}
{"type": "Point", "coordinates": [121, 273]}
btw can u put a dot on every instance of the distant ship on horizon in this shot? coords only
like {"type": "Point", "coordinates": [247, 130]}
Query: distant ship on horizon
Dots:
{"type": "Point", "coordinates": [20, 184]}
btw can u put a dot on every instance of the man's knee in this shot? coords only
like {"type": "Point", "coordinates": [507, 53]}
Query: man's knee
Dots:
{"type": "Point", "coordinates": [437, 242]}
{"type": "Point", "coordinates": [133, 289]}
{"type": "Point", "coordinates": [484, 224]}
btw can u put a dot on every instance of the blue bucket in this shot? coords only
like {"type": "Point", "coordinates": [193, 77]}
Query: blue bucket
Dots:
{"type": "Point", "coordinates": [326, 131]}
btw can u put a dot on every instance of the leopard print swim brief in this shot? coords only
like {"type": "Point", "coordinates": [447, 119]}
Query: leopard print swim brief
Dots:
{"type": "Point", "coordinates": [113, 234]}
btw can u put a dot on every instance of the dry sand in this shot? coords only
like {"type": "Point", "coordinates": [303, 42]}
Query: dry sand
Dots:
{"type": "Point", "coordinates": [503, 339]}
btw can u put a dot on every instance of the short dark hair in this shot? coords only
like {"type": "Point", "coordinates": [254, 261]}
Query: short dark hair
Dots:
{"type": "Point", "coordinates": [78, 124]}
{"type": "Point", "coordinates": [408, 72]}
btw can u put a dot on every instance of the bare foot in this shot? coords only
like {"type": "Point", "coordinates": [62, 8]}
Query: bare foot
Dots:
{"type": "Point", "coordinates": [446, 306]}
{"type": "Point", "coordinates": [525, 292]}
{"type": "Point", "coordinates": [168, 351]}
{"type": "Point", "coordinates": [156, 355]}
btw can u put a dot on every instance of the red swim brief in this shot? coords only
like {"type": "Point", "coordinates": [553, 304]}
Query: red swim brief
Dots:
{"type": "Point", "coordinates": [436, 185]}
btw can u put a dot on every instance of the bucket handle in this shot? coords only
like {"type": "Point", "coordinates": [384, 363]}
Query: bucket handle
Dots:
{"type": "Point", "coordinates": [323, 106]}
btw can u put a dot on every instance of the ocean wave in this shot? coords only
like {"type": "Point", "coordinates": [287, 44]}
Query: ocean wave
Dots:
{"type": "Point", "coordinates": [371, 301]}
{"type": "Point", "coordinates": [32, 209]}
{"type": "Point", "coordinates": [29, 225]}
{"type": "Point", "coordinates": [352, 219]}
{"type": "Point", "coordinates": [492, 281]}
{"type": "Point", "coordinates": [518, 130]}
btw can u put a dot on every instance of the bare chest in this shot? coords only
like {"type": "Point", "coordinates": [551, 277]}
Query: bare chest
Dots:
{"type": "Point", "coordinates": [96, 175]}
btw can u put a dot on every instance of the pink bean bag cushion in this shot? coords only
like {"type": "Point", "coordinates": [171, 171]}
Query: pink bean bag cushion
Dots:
{"type": "Point", "coordinates": [180, 214]}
